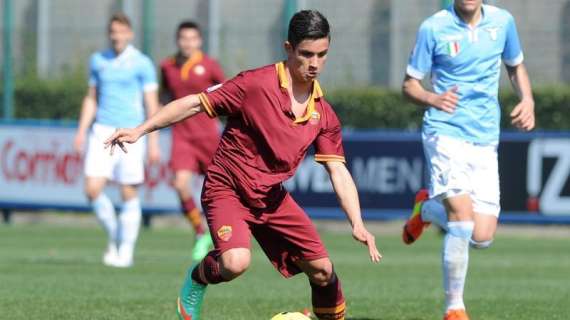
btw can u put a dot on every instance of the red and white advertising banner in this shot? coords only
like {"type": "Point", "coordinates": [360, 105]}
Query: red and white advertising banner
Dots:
{"type": "Point", "coordinates": [39, 168]}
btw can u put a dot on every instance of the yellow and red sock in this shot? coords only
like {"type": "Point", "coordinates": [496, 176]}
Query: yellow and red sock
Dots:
{"type": "Point", "coordinates": [328, 301]}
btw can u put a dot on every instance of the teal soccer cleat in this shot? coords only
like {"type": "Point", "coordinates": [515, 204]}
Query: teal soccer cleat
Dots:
{"type": "Point", "coordinates": [190, 300]}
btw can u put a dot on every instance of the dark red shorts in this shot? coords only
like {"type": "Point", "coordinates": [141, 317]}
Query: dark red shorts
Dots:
{"type": "Point", "coordinates": [285, 233]}
{"type": "Point", "coordinates": [192, 154]}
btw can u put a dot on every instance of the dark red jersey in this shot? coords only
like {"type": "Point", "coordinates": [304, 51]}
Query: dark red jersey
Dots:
{"type": "Point", "coordinates": [264, 143]}
{"type": "Point", "coordinates": [195, 75]}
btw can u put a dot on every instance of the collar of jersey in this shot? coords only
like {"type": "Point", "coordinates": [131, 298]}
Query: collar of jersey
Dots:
{"type": "Point", "coordinates": [460, 21]}
{"type": "Point", "coordinates": [189, 64]}
{"type": "Point", "coordinates": [129, 50]}
{"type": "Point", "coordinates": [316, 94]}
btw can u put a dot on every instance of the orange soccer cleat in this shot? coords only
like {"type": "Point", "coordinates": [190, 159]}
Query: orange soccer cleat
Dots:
{"type": "Point", "coordinates": [415, 225]}
{"type": "Point", "coordinates": [457, 314]}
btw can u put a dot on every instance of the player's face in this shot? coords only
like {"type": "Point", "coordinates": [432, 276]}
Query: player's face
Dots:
{"type": "Point", "coordinates": [120, 35]}
{"type": "Point", "coordinates": [307, 60]}
{"type": "Point", "coordinates": [189, 41]}
{"type": "Point", "coordinates": [468, 6]}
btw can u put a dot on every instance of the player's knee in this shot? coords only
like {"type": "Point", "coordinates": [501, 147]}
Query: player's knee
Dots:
{"type": "Point", "coordinates": [482, 238]}
{"type": "Point", "coordinates": [480, 244]}
{"type": "Point", "coordinates": [234, 269]}
{"type": "Point", "coordinates": [234, 264]}
{"type": "Point", "coordinates": [322, 273]}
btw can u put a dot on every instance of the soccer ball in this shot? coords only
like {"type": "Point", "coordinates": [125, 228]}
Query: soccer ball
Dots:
{"type": "Point", "coordinates": [290, 316]}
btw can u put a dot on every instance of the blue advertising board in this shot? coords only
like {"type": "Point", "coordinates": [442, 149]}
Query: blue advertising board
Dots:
{"type": "Point", "coordinates": [389, 167]}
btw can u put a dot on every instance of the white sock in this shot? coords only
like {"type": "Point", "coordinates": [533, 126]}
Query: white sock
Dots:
{"type": "Point", "coordinates": [105, 212]}
{"type": "Point", "coordinates": [129, 224]}
{"type": "Point", "coordinates": [433, 211]}
{"type": "Point", "coordinates": [455, 262]}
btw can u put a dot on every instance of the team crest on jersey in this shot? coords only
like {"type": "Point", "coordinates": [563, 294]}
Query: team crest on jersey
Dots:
{"type": "Point", "coordinates": [225, 233]}
{"type": "Point", "coordinates": [493, 33]}
{"type": "Point", "coordinates": [315, 117]}
{"type": "Point", "coordinates": [199, 70]}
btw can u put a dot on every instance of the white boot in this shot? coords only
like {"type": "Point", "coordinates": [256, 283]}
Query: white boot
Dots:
{"type": "Point", "coordinates": [111, 256]}
{"type": "Point", "coordinates": [125, 256]}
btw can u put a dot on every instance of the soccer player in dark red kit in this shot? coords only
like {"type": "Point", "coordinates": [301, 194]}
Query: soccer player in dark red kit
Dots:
{"type": "Point", "coordinates": [275, 113]}
{"type": "Point", "coordinates": [194, 140]}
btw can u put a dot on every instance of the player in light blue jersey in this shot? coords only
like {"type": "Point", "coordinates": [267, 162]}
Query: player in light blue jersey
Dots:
{"type": "Point", "coordinates": [461, 49]}
{"type": "Point", "coordinates": [122, 82]}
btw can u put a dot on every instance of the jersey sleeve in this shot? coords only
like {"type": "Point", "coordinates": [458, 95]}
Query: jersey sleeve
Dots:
{"type": "Point", "coordinates": [328, 144]}
{"type": "Point", "coordinates": [224, 99]}
{"type": "Point", "coordinates": [512, 53]}
{"type": "Point", "coordinates": [421, 58]}
{"type": "Point", "coordinates": [147, 75]}
{"type": "Point", "coordinates": [93, 74]}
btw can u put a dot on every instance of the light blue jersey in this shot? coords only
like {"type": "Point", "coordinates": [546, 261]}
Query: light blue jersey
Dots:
{"type": "Point", "coordinates": [120, 81]}
{"type": "Point", "coordinates": [469, 58]}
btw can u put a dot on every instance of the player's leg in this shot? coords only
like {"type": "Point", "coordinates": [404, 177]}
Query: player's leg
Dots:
{"type": "Point", "coordinates": [129, 173]}
{"type": "Point", "coordinates": [181, 183]}
{"type": "Point", "coordinates": [433, 211]}
{"type": "Point", "coordinates": [484, 232]}
{"type": "Point", "coordinates": [456, 250]}
{"type": "Point", "coordinates": [486, 196]}
{"type": "Point", "coordinates": [292, 244]}
{"type": "Point", "coordinates": [427, 207]}
{"type": "Point", "coordinates": [129, 225]}
{"type": "Point", "coordinates": [425, 212]}
{"type": "Point", "coordinates": [449, 165]}
{"type": "Point", "coordinates": [213, 269]}
{"type": "Point", "coordinates": [98, 170]}
{"type": "Point", "coordinates": [185, 162]}
{"type": "Point", "coordinates": [326, 291]}
{"type": "Point", "coordinates": [202, 240]}
{"type": "Point", "coordinates": [477, 228]}
{"type": "Point", "coordinates": [229, 259]}
{"type": "Point", "coordinates": [225, 267]}
{"type": "Point", "coordinates": [105, 213]}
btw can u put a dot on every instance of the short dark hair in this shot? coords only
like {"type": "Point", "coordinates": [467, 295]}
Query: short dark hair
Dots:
{"type": "Point", "coordinates": [307, 24]}
{"type": "Point", "coordinates": [188, 25]}
{"type": "Point", "coordinates": [121, 18]}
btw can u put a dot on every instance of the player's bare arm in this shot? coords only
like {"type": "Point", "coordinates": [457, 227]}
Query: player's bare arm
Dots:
{"type": "Point", "coordinates": [173, 112]}
{"type": "Point", "coordinates": [152, 105]}
{"type": "Point", "coordinates": [522, 115]}
{"type": "Point", "coordinates": [415, 91]}
{"type": "Point", "coordinates": [347, 194]}
{"type": "Point", "coordinates": [86, 117]}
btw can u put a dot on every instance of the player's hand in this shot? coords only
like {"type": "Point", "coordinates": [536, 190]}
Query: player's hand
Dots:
{"type": "Point", "coordinates": [79, 142]}
{"type": "Point", "coordinates": [153, 154]}
{"type": "Point", "coordinates": [360, 233]}
{"type": "Point", "coordinates": [120, 137]}
{"type": "Point", "coordinates": [446, 101]}
{"type": "Point", "coordinates": [522, 115]}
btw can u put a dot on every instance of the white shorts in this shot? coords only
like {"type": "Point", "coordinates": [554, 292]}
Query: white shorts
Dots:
{"type": "Point", "coordinates": [123, 168]}
{"type": "Point", "coordinates": [460, 167]}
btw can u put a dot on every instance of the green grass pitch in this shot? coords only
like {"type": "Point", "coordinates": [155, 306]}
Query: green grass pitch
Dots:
{"type": "Point", "coordinates": [54, 272]}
